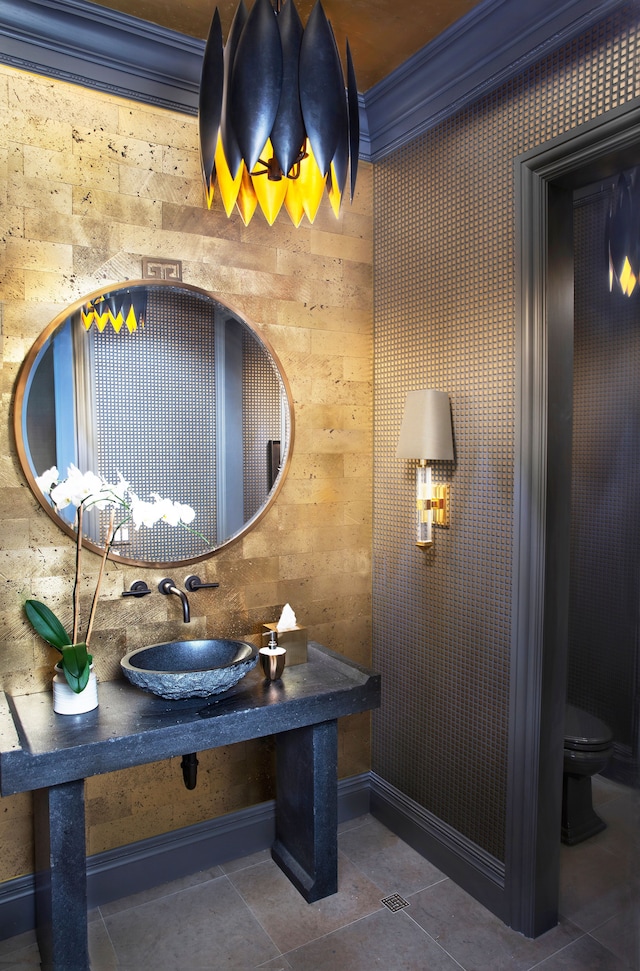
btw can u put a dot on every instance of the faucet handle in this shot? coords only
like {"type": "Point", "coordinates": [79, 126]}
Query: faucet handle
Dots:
{"type": "Point", "coordinates": [138, 589]}
{"type": "Point", "coordinates": [195, 583]}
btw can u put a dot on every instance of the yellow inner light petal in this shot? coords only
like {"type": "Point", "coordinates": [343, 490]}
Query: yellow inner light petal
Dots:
{"type": "Point", "coordinates": [293, 202]}
{"type": "Point", "coordinates": [300, 196]}
{"type": "Point", "coordinates": [335, 196]}
{"type": "Point", "coordinates": [627, 278]}
{"type": "Point", "coordinates": [229, 188]}
{"type": "Point", "coordinates": [130, 320]}
{"type": "Point", "coordinates": [116, 322]}
{"type": "Point", "coordinates": [311, 184]}
{"type": "Point", "coordinates": [270, 194]}
{"type": "Point", "coordinates": [101, 319]}
{"type": "Point", "coordinates": [209, 193]}
{"type": "Point", "coordinates": [247, 201]}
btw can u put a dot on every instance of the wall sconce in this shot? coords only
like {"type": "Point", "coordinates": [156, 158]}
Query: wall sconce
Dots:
{"type": "Point", "coordinates": [426, 434]}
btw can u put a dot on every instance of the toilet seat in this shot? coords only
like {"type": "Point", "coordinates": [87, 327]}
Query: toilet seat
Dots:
{"type": "Point", "coordinates": [584, 732]}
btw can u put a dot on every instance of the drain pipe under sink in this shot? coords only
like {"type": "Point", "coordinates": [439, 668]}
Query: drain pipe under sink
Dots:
{"type": "Point", "coordinates": [189, 766]}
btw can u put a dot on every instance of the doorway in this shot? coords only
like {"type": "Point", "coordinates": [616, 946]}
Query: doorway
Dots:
{"type": "Point", "coordinates": [546, 179]}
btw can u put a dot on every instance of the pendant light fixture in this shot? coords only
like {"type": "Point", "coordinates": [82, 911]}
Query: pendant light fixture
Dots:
{"type": "Point", "coordinates": [622, 233]}
{"type": "Point", "coordinates": [126, 307]}
{"type": "Point", "coordinates": [277, 123]}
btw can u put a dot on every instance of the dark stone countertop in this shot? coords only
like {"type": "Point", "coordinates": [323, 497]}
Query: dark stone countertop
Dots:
{"type": "Point", "coordinates": [39, 748]}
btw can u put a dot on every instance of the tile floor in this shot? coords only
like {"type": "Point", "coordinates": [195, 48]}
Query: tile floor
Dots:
{"type": "Point", "coordinates": [246, 915]}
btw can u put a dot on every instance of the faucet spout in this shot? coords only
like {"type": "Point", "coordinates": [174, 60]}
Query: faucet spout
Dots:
{"type": "Point", "coordinates": [168, 586]}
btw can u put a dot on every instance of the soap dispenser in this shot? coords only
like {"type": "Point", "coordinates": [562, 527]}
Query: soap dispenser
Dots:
{"type": "Point", "coordinates": [272, 659]}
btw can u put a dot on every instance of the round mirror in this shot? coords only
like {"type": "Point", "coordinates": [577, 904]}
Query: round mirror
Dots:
{"type": "Point", "coordinates": [163, 385]}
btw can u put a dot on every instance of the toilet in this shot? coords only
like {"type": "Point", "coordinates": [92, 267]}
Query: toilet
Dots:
{"type": "Point", "coordinates": [588, 746]}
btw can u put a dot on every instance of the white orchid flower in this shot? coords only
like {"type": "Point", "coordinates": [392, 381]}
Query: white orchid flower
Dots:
{"type": "Point", "coordinates": [85, 489]}
{"type": "Point", "coordinates": [143, 513]}
{"type": "Point", "coordinates": [91, 490]}
{"type": "Point", "coordinates": [99, 498]}
{"type": "Point", "coordinates": [110, 494]}
{"type": "Point", "coordinates": [47, 480]}
{"type": "Point", "coordinates": [106, 496]}
{"type": "Point", "coordinates": [173, 513]}
{"type": "Point", "coordinates": [164, 510]}
{"type": "Point", "coordinates": [78, 487]}
{"type": "Point", "coordinates": [186, 513]}
{"type": "Point", "coordinates": [121, 489]}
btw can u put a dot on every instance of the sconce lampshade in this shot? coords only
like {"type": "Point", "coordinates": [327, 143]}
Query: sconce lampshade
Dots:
{"type": "Point", "coordinates": [425, 432]}
{"type": "Point", "coordinates": [277, 123]}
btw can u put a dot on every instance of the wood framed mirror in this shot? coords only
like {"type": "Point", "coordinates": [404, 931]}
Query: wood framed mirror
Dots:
{"type": "Point", "coordinates": [185, 400]}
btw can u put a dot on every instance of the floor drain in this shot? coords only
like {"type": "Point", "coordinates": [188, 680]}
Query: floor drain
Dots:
{"type": "Point", "coordinates": [395, 902]}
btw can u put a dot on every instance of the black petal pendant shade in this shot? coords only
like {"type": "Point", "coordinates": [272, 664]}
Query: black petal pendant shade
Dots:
{"type": "Point", "coordinates": [321, 74]}
{"type": "Point", "coordinates": [622, 234]}
{"type": "Point", "coordinates": [256, 82]}
{"type": "Point", "coordinates": [288, 132]}
{"type": "Point", "coordinates": [212, 82]}
{"type": "Point", "coordinates": [277, 123]}
{"type": "Point", "coordinates": [354, 120]}
{"type": "Point", "coordinates": [207, 112]}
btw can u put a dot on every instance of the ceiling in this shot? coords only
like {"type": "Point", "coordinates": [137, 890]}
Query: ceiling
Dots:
{"type": "Point", "coordinates": [382, 33]}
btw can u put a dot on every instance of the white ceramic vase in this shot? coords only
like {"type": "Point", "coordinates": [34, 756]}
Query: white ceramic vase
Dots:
{"type": "Point", "coordinates": [68, 702]}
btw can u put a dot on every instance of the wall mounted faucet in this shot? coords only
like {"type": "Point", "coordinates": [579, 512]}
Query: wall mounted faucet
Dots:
{"type": "Point", "coordinates": [168, 586]}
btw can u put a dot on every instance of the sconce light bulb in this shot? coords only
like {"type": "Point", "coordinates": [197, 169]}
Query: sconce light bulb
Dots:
{"type": "Point", "coordinates": [424, 516]}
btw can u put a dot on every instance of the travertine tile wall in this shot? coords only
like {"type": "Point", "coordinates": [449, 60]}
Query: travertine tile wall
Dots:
{"type": "Point", "coordinates": [89, 185]}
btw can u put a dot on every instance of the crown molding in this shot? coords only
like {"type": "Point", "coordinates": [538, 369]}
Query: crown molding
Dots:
{"type": "Point", "coordinates": [90, 45]}
{"type": "Point", "coordinates": [491, 43]}
{"type": "Point", "coordinates": [84, 43]}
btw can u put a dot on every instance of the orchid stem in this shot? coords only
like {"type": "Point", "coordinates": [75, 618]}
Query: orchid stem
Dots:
{"type": "Point", "coordinates": [94, 602]}
{"type": "Point", "coordinates": [76, 586]}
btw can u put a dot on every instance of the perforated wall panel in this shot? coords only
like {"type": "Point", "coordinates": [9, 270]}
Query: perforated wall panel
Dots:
{"type": "Point", "coordinates": [445, 318]}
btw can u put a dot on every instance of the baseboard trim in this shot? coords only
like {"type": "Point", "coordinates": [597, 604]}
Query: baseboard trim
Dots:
{"type": "Point", "coordinates": [145, 864]}
{"type": "Point", "coordinates": [624, 766]}
{"type": "Point", "coordinates": [466, 863]}
{"type": "Point", "coordinates": [17, 906]}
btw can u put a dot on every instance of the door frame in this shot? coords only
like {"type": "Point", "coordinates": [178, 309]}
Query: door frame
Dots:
{"type": "Point", "coordinates": [545, 179]}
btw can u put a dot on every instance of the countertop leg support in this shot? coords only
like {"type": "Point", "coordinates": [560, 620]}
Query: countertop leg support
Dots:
{"type": "Point", "coordinates": [61, 877]}
{"type": "Point", "coordinates": [306, 844]}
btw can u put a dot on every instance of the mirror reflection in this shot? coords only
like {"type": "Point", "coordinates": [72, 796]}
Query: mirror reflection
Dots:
{"type": "Point", "coordinates": [170, 389]}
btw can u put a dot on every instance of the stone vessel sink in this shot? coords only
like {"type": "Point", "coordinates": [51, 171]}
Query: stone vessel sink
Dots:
{"type": "Point", "coordinates": [189, 669]}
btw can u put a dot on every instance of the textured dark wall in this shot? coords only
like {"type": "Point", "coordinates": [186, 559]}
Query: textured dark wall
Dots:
{"type": "Point", "coordinates": [444, 292]}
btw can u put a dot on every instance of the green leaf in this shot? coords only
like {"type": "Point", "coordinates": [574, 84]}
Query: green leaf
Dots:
{"type": "Point", "coordinates": [76, 664]}
{"type": "Point", "coordinates": [44, 622]}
